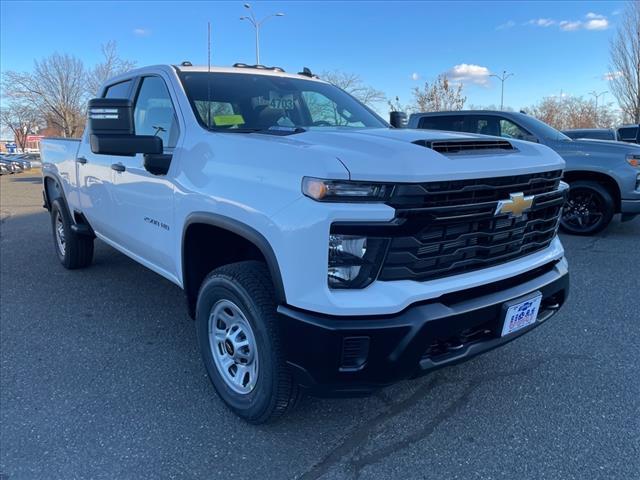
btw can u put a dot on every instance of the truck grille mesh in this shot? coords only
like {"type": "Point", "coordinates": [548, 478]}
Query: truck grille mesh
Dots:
{"type": "Point", "coordinates": [448, 228]}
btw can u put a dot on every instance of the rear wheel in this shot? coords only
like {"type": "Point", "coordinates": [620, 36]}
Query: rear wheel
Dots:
{"type": "Point", "coordinates": [73, 250]}
{"type": "Point", "coordinates": [589, 208]}
{"type": "Point", "coordinates": [238, 334]}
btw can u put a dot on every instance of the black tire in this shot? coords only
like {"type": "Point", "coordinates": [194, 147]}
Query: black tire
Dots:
{"type": "Point", "coordinates": [589, 208]}
{"type": "Point", "coordinates": [248, 286]}
{"type": "Point", "coordinates": [76, 251]}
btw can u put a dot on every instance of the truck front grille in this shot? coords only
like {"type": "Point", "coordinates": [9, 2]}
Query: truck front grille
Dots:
{"type": "Point", "coordinates": [449, 228]}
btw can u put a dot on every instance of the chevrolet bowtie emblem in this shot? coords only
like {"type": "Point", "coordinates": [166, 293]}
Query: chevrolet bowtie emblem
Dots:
{"type": "Point", "coordinates": [516, 205]}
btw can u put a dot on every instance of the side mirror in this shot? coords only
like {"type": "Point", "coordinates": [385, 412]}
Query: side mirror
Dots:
{"type": "Point", "coordinates": [111, 129]}
{"type": "Point", "coordinates": [398, 119]}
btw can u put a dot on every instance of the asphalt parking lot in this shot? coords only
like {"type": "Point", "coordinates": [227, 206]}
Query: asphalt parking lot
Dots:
{"type": "Point", "coordinates": [100, 377]}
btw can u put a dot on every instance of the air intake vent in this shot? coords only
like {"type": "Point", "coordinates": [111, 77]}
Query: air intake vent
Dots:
{"type": "Point", "coordinates": [458, 146]}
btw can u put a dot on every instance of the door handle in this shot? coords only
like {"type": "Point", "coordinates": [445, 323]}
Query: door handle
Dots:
{"type": "Point", "coordinates": [81, 160]}
{"type": "Point", "coordinates": [118, 167]}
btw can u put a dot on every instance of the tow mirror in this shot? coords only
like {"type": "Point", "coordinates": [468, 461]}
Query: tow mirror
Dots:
{"type": "Point", "coordinates": [111, 129]}
{"type": "Point", "coordinates": [398, 119]}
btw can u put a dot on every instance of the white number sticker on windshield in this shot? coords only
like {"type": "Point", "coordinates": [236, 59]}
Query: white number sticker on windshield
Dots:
{"type": "Point", "coordinates": [285, 102]}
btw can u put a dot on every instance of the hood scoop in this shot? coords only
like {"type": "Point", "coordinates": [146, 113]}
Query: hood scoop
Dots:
{"type": "Point", "coordinates": [465, 146]}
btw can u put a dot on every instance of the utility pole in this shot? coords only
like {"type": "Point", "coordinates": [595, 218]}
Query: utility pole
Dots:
{"type": "Point", "coordinates": [597, 95]}
{"type": "Point", "coordinates": [502, 79]}
{"type": "Point", "coordinates": [256, 25]}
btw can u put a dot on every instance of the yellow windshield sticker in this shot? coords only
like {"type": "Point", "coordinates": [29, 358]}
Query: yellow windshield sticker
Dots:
{"type": "Point", "coordinates": [224, 120]}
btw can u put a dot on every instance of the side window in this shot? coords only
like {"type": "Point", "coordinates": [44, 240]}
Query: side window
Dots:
{"type": "Point", "coordinates": [154, 114]}
{"type": "Point", "coordinates": [483, 125]}
{"type": "Point", "coordinates": [119, 90]}
{"type": "Point", "coordinates": [509, 129]}
{"type": "Point", "coordinates": [444, 122]}
{"type": "Point", "coordinates": [628, 134]}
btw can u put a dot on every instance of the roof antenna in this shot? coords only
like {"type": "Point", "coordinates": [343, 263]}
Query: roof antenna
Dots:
{"type": "Point", "coordinates": [209, 74]}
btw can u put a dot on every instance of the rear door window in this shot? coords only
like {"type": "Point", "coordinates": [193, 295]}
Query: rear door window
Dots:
{"type": "Point", "coordinates": [454, 123]}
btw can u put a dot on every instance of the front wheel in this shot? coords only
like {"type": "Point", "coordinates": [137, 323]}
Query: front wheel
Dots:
{"type": "Point", "coordinates": [589, 208]}
{"type": "Point", "coordinates": [238, 334]}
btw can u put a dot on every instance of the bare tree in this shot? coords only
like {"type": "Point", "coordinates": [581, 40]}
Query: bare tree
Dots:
{"type": "Point", "coordinates": [624, 51]}
{"type": "Point", "coordinates": [56, 89]}
{"type": "Point", "coordinates": [438, 96]}
{"type": "Point", "coordinates": [22, 119]}
{"type": "Point", "coordinates": [354, 85]}
{"type": "Point", "coordinates": [573, 112]}
{"type": "Point", "coordinates": [112, 65]}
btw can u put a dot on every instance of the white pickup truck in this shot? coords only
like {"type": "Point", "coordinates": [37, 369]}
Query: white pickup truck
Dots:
{"type": "Point", "coordinates": [320, 250]}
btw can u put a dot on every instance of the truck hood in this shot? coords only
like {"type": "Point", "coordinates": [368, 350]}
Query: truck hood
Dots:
{"type": "Point", "coordinates": [390, 154]}
{"type": "Point", "coordinates": [600, 146]}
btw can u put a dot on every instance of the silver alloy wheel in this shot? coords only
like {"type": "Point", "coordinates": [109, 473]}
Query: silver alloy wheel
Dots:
{"type": "Point", "coordinates": [60, 239]}
{"type": "Point", "coordinates": [233, 346]}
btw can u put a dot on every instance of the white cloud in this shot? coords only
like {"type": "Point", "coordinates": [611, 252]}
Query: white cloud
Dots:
{"type": "Point", "coordinates": [415, 76]}
{"type": "Point", "coordinates": [597, 24]}
{"type": "Point", "coordinates": [469, 73]}
{"type": "Point", "coordinates": [505, 25]}
{"type": "Point", "coordinates": [541, 22]}
{"type": "Point", "coordinates": [141, 32]}
{"type": "Point", "coordinates": [611, 75]}
{"type": "Point", "coordinates": [570, 26]}
{"type": "Point", "coordinates": [592, 21]}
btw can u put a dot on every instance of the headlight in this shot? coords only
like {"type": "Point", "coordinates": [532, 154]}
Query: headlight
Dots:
{"type": "Point", "coordinates": [344, 190]}
{"type": "Point", "coordinates": [633, 159]}
{"type": "Point", "coordinates": [354, 261]}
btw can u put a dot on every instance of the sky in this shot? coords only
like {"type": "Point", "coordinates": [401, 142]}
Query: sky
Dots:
{"type": "Point", "coordinates": [552, 48]}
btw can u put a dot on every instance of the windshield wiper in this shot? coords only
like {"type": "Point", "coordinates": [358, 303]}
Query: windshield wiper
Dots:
{"type": "Point", "coordinates": [282, 131]}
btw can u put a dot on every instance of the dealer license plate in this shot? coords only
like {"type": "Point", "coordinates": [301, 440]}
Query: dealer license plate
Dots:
{"type": "Point", "coordinates": [521, 314]}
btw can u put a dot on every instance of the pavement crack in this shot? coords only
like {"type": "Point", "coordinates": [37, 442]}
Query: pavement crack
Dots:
{"type": "Point", "coordinates": [358, 435]}
{"type": "Point", "coordinates": [354, 441]}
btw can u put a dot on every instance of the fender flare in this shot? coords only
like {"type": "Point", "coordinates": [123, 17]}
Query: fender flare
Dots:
{"type": "Point", "coordinates": [244, 231]}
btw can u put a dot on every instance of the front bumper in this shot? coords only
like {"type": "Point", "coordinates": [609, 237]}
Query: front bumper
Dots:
{"type": "Point", "coordinates": [630, 207]}
{"type": "Point", "coordinates": [358, 354]}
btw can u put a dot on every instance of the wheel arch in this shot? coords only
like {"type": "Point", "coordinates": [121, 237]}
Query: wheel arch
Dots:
{"type": "Point", "coordinates": [604, 179]}
{"type": "Point", "coordinates": [245, 242]}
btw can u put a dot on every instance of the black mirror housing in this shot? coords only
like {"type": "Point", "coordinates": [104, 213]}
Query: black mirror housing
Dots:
{"type": "Point", "coordinates": [111, 116]}
{"type": "Point", "coordinates": [398, 119]}
{"type": "Point", "coordinates": [125, 145]}
{"type": "Point", "coordinates": [111, 129]}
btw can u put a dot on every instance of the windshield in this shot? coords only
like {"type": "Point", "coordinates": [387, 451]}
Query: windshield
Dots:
{"type": "Point", "coordinates": [244, 102]}
{"type": "Point", "coordinates": [543, 130]}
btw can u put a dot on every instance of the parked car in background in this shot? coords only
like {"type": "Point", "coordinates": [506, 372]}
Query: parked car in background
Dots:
{"type": "Point", "coordinates": [604, 176]}
{"type": "Point", "coordinates": [629, 133]}
{"type": "Point", "coordinates": [4, 170]}
{"type": "Point", "coordinates": [14, 167]}
{"type": "Point", "coordinates": [20, 159]}
{"type": "Point", "coordinates": [592, 133]}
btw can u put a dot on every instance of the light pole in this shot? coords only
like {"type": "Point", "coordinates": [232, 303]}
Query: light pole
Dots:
{"type": "Point", "coordinates": [256, 25]}
{"type": "Point", "coordinates": [597, 95]}
{"type": "Point", "coordinates": [502, 78]}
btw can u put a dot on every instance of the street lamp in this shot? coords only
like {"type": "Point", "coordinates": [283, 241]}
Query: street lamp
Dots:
{"type": "Point", "coordinates": [597, 95]}
{"type": "Point", "coordinates": [256, 25]}
{"type": "Point", "coordinates": [502, 78]}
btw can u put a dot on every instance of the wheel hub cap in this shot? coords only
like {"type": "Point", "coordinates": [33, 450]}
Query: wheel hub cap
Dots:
{"type": "Point", "coordinates": [60, 239]}
{"type": "Point", "coordinates": [233, 346]}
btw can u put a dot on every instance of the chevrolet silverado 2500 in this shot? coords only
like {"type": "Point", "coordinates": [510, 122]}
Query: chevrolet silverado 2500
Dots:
{"type": "Point", "coordinates": [320, 250]}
